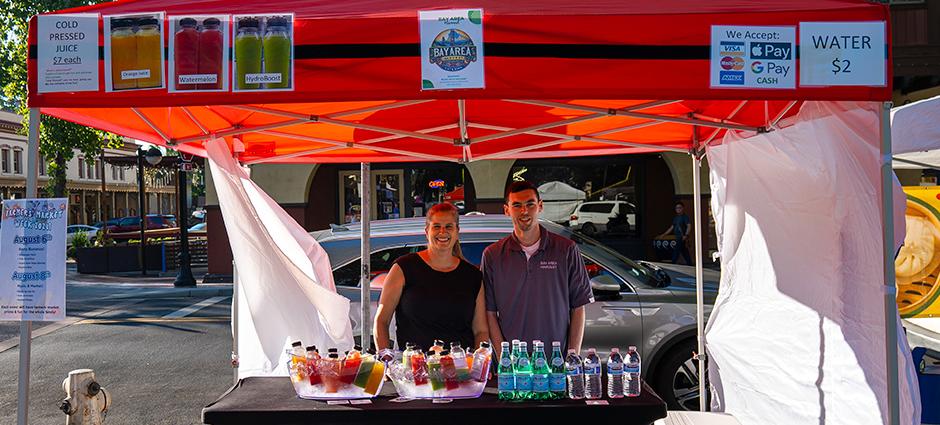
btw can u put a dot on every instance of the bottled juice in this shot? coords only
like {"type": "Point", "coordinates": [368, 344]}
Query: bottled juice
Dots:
{"type": "Point", "coordinates": [365, 371]}
{"type": "Point", "coordinates": [460, 361]}
{"type": "Point", "coordinates": [378, 373]}
{"type": "Point", "coordinates": [438, 346]}
{"type": "Point", "coordinates": [406, 355]}
{"type": "Point", "coordinates": [351, 365]}
{"type": "Point", "coordinates": [277, 49]}
{"type": "Point", "coordinates": [210, 53]}
{"type": "Point", "coordinates": [331, 372]}
{"type": "Point", "coordinates": [247, 52]}
{"type": "Point", "coordinates": [419, 368]}
{"type": "Point", "coordinates": [149, 52]}
{"type": "Point", "coordinates": [123, 53]}
{"type": "Point", "coordinates": [298, 362]}
{"type": "Point", "coordinates": [480, 363]}
{"type": "Point", "coordinates": [434, 370]}
{"type": "Point", "coordinates": [185, 52]}
{"type": "Point", "coordinates": [449, 371]}
{"type": "Point", "coordinates": [313, 359]}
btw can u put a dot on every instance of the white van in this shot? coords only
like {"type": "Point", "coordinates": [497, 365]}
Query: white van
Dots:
{"type": "Point", "coordinates": [592, 218]}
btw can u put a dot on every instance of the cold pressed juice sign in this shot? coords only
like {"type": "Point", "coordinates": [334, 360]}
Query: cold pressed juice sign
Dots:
{"type": "Point", "coordinates": [133, 46]}
{"type": "Point", "coordinates": [198, 52]}
{"type": "Point", "coordinates": [67, 55]}
{"type": "Point", "coordinates": [452, 49]}
{"type": "Point", "coordinates": [264, 52]}
{"type": "Point", "coordinates": [32, 259]}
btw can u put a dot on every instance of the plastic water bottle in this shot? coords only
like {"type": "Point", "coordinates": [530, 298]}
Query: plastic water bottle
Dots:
{"type": "Point", "coordinates": [540, 371]}
{"type": "Point", "coordinates": [556, 378]}
{"type": "Point", "coordinates": [615, 386]}
{"type": "Point", "coordinates": [632, 375]}
{"type": "Point", "coordinates": [592, 375]}
{"type": "Point", "coordinates": [523, 372]}
{"type": "Point", "coordinates": [506, 382]}
{"type": "Point", "coordinates": [573, 371]}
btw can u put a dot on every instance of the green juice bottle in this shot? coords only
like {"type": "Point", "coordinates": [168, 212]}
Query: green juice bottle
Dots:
{"type": "Point", "coordinates": [277, 49]}
{"type": "Point", "coordinates": [247, 52]}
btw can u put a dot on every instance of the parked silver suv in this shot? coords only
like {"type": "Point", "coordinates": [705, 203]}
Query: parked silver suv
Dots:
{"type": "Point", "coordinates": [650, 305]}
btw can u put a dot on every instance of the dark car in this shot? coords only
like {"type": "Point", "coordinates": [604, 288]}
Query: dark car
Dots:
{"type": "Point", "coordinates": [132, 223]}
{"type": "Point", "coordinates": [650, 305]}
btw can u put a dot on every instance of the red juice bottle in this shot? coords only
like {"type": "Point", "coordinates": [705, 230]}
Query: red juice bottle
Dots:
{"type": "Point", "coordinates": [419, 368]}
{"type": "Point", "coordinates": [210, 53]}
{"type": "Point", "coordinates": [313, 358]}
{"type": "Point", "coordinates": [449, 370]}
{"type": "Point", "coordinates": [351, 365]}
{"type": "Point", "coordinates": [185, 52]}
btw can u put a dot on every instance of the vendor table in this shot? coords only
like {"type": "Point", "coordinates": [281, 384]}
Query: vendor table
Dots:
{"type": "Point", "coordinates": [271, 400]}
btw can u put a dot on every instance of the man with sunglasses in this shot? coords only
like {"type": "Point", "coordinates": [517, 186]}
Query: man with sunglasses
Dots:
{"type": "Point", "coordinates": [534, 281]}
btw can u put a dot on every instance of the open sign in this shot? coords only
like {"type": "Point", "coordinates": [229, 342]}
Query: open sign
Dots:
{"type": "Point", "coordinates": [436, 184]}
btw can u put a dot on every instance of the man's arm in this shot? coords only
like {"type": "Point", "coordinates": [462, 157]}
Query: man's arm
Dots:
{"type": "Point", "coordinates": [576, 329]}
{"type": "Point", "coordinates": [667, 232]}
{"type": "Point", "coordinates": [496, 334]}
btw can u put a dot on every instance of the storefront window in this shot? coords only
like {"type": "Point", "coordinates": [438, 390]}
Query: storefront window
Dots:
{"type": "Point", "coordinates": [431, 186]}
{"type": "Point", "coordinates": [402, 192]}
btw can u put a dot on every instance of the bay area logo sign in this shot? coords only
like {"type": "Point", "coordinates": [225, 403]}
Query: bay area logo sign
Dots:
{"type": "Point", "coordinates": [452, 50]}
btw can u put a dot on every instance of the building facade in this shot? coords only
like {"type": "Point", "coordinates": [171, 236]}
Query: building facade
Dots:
{"type": "Point", "coordinates": [96, 190]}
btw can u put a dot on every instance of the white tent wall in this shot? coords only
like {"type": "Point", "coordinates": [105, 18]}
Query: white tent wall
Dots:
{"type": "Point", "coordinates": [559, 200]}
{"type": "Point", "coordinates": [797, 331]}
{"type": "Point", "coordinates": [285, 282]}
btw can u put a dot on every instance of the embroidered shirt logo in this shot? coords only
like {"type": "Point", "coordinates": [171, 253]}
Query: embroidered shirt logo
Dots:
{"type": "Point", "coordinates": [548, 265]}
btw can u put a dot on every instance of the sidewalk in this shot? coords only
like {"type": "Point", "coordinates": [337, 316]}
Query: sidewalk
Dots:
{"type": "Point", "coordinates": [153, 278]}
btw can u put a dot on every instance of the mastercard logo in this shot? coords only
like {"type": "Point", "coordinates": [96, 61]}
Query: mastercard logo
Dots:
{"type": "Point", "coordinates": [730, 63]}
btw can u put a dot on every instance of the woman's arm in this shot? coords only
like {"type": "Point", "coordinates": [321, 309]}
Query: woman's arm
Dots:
{"type": "Point", "coordinates": [480, 331]}
{"type": "Point", "coordinates": [388, 302]}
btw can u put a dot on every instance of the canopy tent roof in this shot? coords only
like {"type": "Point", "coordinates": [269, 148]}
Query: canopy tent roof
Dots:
{"type": "Point", "coordinates": [915, 134]}
{"type": "Point", "coordinates": [357, 95]}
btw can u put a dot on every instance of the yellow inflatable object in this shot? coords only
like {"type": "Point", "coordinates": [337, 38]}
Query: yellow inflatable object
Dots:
{"type": "Point", "coordinates": [917, 266]}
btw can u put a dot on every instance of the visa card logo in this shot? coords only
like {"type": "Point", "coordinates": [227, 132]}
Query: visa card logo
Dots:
{"type": "Point", "coordinates": [731, 48]}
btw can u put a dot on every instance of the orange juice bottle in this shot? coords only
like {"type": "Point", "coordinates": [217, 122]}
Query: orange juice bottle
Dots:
{"type": "Point", "coordinates": [149, 52]}
{"type": "Point", "coordinates": [123, 53]}
{"type": "Point", "coordinates": [378, 374]}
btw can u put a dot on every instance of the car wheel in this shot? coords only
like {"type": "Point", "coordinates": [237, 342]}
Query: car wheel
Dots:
{"type": "Point", "coordinates": [677, 378]}
{"type": "Point", "coordinates": [588, 229]}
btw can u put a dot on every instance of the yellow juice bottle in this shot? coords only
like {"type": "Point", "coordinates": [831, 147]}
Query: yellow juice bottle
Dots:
{"type": "Point", "coordinates": [123, 53]}
{"type": "Point", "coordinates": [375, 378]}
{"type": "Point", "coordinates": [149, 54]}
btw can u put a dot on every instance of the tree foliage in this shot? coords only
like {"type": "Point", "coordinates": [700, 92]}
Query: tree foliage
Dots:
{"type": "Point", "coordinates": [58, 139]}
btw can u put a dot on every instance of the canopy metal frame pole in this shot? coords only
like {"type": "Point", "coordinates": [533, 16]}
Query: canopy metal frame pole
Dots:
{"type": "Point", "coordinates": [26, 326]}
{"type": "Point", "coordinates": [365, 208]}
{"type": "Point", "coordinates": [235, 300]}
{"type": "Point", "coordinates": [699, 278]}
{"type": "Point", "coordinates": [890, 289]}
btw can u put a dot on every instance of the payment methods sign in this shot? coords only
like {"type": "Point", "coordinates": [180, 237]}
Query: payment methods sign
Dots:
{"type": "Point", "coordinates": [753, 57]}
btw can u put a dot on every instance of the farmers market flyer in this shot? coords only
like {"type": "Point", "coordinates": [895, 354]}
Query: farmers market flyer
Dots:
{"type": "Point", "coordinates": [32, 259]}
{"type": "Point", "coordinates": [452, 49]}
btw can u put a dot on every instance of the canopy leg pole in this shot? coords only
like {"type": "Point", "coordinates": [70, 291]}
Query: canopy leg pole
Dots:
{"type": "Point", "coordinates": [365, 196]}
{"type": "Point", "coordinates": [891, 306]}
{"type": "Point", "coordinates": [235, 301]}
{"type": "Point", "coordinates": [26, 326]}
{"type": "Point", "coordinates": [699, 284]}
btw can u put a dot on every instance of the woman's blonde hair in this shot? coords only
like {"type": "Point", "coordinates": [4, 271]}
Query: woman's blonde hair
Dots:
{"type": "Point", "coordinates": [444, 208]}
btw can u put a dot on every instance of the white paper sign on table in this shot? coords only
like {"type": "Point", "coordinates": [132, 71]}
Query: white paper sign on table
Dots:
{"type": "Point", "coordinates": [32, 259]}
{"type": "Point", "coordinates": [843, 54]}
{"type": "Point", "coordinates": [67, 53]}
{"type": "Point", "coordinates": [452, 49]}
{"type": "Point", "coordinates": [753, 57]}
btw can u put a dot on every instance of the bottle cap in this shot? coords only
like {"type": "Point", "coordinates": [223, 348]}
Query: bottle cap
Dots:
{"type": "Point", "coordinates": [455, 344]}
{"type": "Point", "coordinates": [248, 23]}
{"type": "Point", "coordinates": [537, 343]}
{"type": "Point", "coordinates": [505, 344]}
{"type": "Point", "coordinates": [121, 23]}
{"type": "Point", "coordinates": [409, 345]}
{"type": "Point", "coordinates": [334, 356]}
{"type": "Point", "coordinates": [211, 22]}
{"type": "Point", "coordinates": [445, 352]}
{"type": "Point", "coordinates": [438, 342]}
{"type": "Point", "coordinates": [311, 348]}
{"type": "Point", "coordinates": [523, 344]}
{"type": "Point", "coordinates": [485, 344]}
{"type": "Point", "coordinates": [187, 22]}
{"type": "Point", "coordinates": [332, 350]}
{"type": "Point", "coordinates": [357, 347]}
{"type": "Point", "coordinates": [515, 341]}
{"type": "Point", "coordinates": [592, 350]}
{"type": "Point", "coordinates": [615, 350]}
{"type": "Point", "coordinates": [556, 344]}
{"type": "Point", "coordinates": [146, 21]}
{"type": "Point", "coordinates": [277, 22]}
{"type": "Point", "coordinates": [631, 348]}
{"type": "Point", "coordinates": [297, 344]}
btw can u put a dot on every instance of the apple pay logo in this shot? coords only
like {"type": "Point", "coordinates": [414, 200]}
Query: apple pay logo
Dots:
{"type": "Point", "coordinates": [765, 50]}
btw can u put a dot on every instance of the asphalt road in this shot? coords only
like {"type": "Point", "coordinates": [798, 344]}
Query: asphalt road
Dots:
{"type": "Point", "coordinates": [162, 353]}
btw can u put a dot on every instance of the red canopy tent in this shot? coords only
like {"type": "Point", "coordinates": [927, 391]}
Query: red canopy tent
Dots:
{"type": "Point", "coordinates": [563, 78]}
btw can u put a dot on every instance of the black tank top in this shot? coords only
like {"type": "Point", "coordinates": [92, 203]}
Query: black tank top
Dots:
{"type": "Point", "coordinates": [435, 304]}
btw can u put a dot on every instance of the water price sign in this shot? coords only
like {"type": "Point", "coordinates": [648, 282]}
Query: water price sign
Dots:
{"type": "Point", "coordinates": [843, 54]}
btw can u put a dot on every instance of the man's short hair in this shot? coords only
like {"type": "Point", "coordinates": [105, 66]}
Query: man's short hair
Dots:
{"type": "Point", "coordinates": [519, 186]}
{"type": "Point", "coordinates": [679, 204]}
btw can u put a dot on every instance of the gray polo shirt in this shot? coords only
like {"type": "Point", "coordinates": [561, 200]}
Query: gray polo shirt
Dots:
{"type": "Point", "coordinates": [534, 298]}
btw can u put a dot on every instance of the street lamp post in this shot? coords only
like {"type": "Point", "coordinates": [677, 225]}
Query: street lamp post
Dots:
{"type": "Point", "coordinates": [153, 157]}
{"type": "Point", "coordinates": [185, 275]}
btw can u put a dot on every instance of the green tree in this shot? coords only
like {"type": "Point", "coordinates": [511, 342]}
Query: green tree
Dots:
{"type": "Point", "coordinates": [58, 138]}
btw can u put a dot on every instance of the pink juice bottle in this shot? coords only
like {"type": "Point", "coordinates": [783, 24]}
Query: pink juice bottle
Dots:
{"type": "Point", "coordinates": [185, 52]}
{"type": "Point", "coordinates": [210, 53]}
{"type": "Point", "coordinates": [419, 368]}
{"type": "Point", "coordinates": [449, 370]}
{"type": "Point", "coordinates": [313, 360]}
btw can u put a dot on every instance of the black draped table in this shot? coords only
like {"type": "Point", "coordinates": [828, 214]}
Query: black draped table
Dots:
{"type": "Point", "coordinates": [272, 401]}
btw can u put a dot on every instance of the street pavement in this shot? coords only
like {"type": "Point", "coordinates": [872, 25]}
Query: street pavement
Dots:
{"type": "Point", "coordinates": [162, 353]}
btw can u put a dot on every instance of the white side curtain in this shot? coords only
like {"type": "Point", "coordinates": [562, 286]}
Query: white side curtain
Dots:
{"type": "Point", "coordinates": [285, 281]}
{"type": "Point", "coordinates": [797, 332]}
